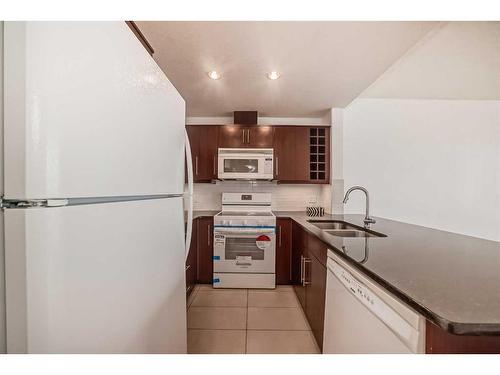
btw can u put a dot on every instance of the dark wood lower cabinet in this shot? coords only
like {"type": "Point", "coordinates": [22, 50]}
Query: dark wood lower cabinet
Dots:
{"type": "Point", "coordinates": [438, 341]}
{"type": "Point", "coordinates": [284, 251]}
{"type": "Point", "coordinates": [309, 279]}
{"type": "Point", "coordinates": [192, 262]}
{"type": "Point", "coordinates": [315, 296]}
{"type": "Point", "coordinates": [204, 234]}
{"type": "Point", "coordinates": [299, 253]}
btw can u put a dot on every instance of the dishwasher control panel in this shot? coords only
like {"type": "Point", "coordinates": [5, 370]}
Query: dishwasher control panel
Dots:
{"type": "Point", "coordinates": [360, 291]}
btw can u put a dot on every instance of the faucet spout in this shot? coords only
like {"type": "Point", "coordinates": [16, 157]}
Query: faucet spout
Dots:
{"type": "Point", "coordinates": [367, 220]}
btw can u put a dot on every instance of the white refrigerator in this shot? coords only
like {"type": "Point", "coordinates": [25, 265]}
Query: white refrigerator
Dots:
{"type": "Point", "coordinates": [93, 193]}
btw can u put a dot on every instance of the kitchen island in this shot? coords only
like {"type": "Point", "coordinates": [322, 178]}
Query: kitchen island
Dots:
{"type": "Point", "coordinates": [450, 279]}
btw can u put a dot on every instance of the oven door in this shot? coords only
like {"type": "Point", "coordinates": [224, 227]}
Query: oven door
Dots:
{"type": "Point", "coordinates": [244, 250]}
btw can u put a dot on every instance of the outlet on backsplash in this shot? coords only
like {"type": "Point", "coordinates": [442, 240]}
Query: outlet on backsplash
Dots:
{"type": "Point", "coordinates": [312, 200]}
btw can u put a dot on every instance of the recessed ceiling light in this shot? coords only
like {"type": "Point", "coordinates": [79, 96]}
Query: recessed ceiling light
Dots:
{"type": "Point", "coordinates": [273, 75]}
{"type": "Point", "coordinates": [213, 74]}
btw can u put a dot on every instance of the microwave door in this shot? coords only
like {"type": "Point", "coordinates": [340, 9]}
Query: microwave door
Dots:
{"type": "Point", "coordinates": [241, 165]}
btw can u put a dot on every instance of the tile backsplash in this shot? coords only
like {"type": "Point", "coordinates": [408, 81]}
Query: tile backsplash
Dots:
{"type": "Point", "coordinates": [284, 197]}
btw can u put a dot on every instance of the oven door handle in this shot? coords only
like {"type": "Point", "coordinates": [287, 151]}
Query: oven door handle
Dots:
{"type": "Point", "coordinates": [243, 263]}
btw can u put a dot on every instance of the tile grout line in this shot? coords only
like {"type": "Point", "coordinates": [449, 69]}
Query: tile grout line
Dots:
{"type": "Point", "coordinates": [246, 328]}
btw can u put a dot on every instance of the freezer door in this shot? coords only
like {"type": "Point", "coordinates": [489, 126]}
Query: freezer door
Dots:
{"type": "Point", "coordinates": [103, 278]}
{"type": "Point", "coordinates": [88, 113]}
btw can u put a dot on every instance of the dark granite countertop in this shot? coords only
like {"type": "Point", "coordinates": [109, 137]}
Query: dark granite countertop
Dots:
{"type": "Point", "coordinates": [453, 280]}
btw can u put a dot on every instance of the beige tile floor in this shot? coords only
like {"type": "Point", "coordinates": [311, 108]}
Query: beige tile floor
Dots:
{"type": "Point", "coordinates": [253, 321]}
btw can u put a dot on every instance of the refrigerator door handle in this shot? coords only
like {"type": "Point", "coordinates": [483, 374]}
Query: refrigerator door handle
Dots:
{"type": "Point", "coordinates": [189, 193]}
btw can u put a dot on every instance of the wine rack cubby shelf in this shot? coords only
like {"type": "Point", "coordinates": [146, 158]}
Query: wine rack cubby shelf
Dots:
{"type": "Point", "coordinates": [318, 154]}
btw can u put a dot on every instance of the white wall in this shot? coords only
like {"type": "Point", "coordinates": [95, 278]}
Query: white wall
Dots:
{"type": "Point", "coordinates": [426, 159]}
{"type": "Point", "coordinates": [284, 197]}
{"type": "Point", "coordinates": [429, 162]}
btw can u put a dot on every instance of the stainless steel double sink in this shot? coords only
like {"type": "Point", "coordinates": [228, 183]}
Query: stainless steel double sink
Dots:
{"type": "Point", "coordinates": [343, 229]}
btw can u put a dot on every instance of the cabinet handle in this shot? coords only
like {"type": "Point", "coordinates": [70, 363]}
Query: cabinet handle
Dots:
{"type": "Point", "coordinates": [279, 235]}
{"type": "Point", "coordinates": [302, 269]}
{"type": "Point", "coordinates": [248, 136]}
{"type": "Point", "coordinates": [306, 260]}
{"type": "Point", "coordinates": [209, 237]}
{"type": "Point", "coordinates": [187, 267]}
{"type": "Point", "coordinates": [243, 133]}
{"type": "Point", "coordinates": [215, 160]}
{"type": "Point", "coordinates": [196, 165]}
{"type": "Point", "coordinates": [277, 169]}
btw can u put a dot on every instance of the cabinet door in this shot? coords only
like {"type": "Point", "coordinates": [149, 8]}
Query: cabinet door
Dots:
{"type": "Point", "coordinates": [302, 153]}
{"type": "Point", "coordinates": [204, 142]}
{"type": "Point", "coordinates": [315, 276]}
{"type": "Point", "coordinates": [284, 251]}
{"type": "Point", "coordinates": [193, 135]}
{"type": "Point", "coordinates": [259, 136]}
{"type": "Point", "coordinates": [284, 153]}
{"type": "Point", "coordinates": [205, 249]}
{"type": "Point", "coordinates": [299, 252]}
{"type": "Point", "coordinates": [232, 136]}
{"type": "Point", "coordinates": [208, 143]}
{"type": "Point", "coordinates": [192, 262]}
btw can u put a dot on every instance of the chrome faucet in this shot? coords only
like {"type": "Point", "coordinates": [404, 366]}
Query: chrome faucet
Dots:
{"type": "Point", "coordinates": [368, 220]}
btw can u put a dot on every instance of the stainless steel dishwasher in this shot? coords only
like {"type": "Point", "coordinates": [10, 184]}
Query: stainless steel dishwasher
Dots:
{"type": "Point", "coordinates": [361, 317]}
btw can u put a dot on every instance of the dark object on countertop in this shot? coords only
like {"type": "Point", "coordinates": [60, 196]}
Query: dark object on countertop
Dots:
{"type": "Point", "coordinates": [315, 211]}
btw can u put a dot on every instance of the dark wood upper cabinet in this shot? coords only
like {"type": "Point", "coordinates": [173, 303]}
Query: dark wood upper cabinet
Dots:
{"type": "Point", "coordinates": [284, 251]}
{"type": "Point", "coordinates": [238, 136]}
{"type": "Point", "coordinates": [302, 153]}
{"type": "Point", "coordinates": [284, 153]}
{"type": "Point", "coordinates": [204, 140]}
{"type": "Point", "coordinates": [319, 155]}
{"type": "Point", "coordinates": [232, 136]}
{"type": "Point", "coordinates": [301, 149]}
{"type": "Point", "coordinates": [259, 136]}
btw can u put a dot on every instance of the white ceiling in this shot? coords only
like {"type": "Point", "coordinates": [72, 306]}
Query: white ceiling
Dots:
{"type": "Point", "coordinates": [322, 64]}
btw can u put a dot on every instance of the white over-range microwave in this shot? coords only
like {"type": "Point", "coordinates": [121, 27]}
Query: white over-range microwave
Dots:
{"type": "Point", "coordinates": [245, 164]}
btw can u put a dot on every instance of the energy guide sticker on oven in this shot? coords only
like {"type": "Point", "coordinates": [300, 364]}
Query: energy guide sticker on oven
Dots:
{"type": "Point", "coordinates": [220, 239]}
{"type": "Point", "coordinates": [263, 242]}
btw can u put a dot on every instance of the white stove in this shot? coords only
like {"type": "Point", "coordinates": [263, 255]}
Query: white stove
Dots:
{"type": "Point", "coordinates": [245, 242]}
